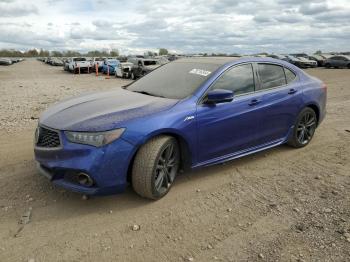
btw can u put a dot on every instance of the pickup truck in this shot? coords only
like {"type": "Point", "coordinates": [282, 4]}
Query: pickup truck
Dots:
{"type": "Point", "coordinates": [75, 63]}
{"type": "Point", "coordinates": [123, 70]}
{"type": "Point", "coordinates": [99, 62]}
{"type": "Point", "coordinates": [142, 66]}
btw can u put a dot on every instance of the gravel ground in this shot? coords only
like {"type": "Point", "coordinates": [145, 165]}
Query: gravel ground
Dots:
{"type": "Point", "coordinates": [278, 205]}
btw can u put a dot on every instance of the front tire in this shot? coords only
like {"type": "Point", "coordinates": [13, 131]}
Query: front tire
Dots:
{"type": "Point", "coordinates": [155, 167]}
{"type": "Point", "coordinates": [304, 128]}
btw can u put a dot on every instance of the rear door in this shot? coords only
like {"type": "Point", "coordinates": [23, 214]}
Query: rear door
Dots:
{"type": "Point", "coordinates": [281, 97]}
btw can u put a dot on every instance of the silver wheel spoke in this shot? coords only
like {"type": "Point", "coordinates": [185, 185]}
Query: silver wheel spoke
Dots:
{"type": "Point", "coordinates": [166, 168]}
{"type": "Point", "coordinates": [301, 137]}
{"type": "Point", "coordinates": [171, 162]}
{"type": "Point", "coordinates": [166, 178]}
{"type": "Point", "coordinates": [169, 152]}
{"type": "Point", "coordinates": [159, 181]}
{"type": "Point", "coordinates": [311, 124]}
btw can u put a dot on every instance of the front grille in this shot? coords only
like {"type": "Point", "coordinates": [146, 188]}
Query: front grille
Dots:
{"type": "Point", "coordinates": [127, 69]}
{"type": "Point", "coordinates": [48, 138]}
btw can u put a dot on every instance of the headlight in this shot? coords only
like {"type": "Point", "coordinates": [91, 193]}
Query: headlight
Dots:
{"type": "Point", "coordinates": [94, 139]}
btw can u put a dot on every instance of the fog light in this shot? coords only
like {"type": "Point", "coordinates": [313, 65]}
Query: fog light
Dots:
{"type": "Point", "coordinates": [85, 180]}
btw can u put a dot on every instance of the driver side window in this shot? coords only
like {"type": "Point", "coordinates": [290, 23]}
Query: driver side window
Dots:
{"type": "Point", "coordinates": [239, 79]}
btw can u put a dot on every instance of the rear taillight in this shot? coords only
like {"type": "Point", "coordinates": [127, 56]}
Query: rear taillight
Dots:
{"type": "Point", "coordinates": [324, 86]}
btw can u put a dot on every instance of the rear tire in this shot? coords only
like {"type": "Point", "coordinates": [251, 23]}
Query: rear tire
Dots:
{"type": "Point", "coordinates": [304, 128]}
{"type": "Point", "coordinates": [327, 65]}
{"type": "Point", "coordinates": [155, 167]}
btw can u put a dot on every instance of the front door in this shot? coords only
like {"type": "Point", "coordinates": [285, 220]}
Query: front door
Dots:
{"type": "Point", "coordinates": [229, 127]}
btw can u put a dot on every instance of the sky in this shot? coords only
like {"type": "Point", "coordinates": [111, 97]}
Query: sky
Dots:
{"type": "Point", "coordinates": [181, 26]}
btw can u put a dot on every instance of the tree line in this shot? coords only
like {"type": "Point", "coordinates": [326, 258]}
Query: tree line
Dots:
{"type": "Point", "coordinates": [68, 53]}
{"type": "Point", "coordinates": [46, 53]}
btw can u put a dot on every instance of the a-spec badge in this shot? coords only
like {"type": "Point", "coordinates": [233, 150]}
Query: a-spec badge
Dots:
{"type": "Point", "coordinates": [189, 118]}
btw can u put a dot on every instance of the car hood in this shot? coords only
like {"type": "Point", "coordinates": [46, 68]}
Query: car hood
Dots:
{"type": "Point", "coordinates": [102, 111]}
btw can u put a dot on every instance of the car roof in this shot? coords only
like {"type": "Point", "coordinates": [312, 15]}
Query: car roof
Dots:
{"type": "Point", "coordinates": [346, 56]}
{"type": "Point", "coordinates": [207, 60]}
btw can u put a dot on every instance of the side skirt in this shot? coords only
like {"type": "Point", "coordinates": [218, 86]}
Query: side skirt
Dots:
{"type": "Point", "coordinates": [241, 153]}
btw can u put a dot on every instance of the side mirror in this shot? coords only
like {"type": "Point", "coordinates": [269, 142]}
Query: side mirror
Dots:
{"type": "Point", "coordinates": [219, 96]}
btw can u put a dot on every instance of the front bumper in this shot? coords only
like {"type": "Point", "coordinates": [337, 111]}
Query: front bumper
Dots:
{"type": "Point", "coordinates": [107, 166]}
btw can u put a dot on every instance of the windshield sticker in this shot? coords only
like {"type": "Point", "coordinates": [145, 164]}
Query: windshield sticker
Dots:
{"type": "Point", "coordinates": [200, 72]}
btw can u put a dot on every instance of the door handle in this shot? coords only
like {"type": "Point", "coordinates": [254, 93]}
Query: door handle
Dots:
{"type": "Point", "coordinates": [292, 91]}
{"type": "Point", "coordinates": [254, 102]}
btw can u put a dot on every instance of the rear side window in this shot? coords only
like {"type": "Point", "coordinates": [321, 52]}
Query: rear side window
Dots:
{"type": "Point", "coordinates": [271, 76]}
{"type": "Point", "coordinates": [239, 79]}
{"type": "Point", "coordinates": [290, 76]}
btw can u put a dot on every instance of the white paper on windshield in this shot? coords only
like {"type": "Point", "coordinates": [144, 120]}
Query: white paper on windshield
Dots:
{"type": "Point", "coordinates": [200, 72]}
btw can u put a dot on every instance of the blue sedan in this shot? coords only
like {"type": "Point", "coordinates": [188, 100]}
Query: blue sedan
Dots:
{"type": "Point", "coordinates": [110, 64]}
{"type": "Point", "coordinates": [190, 113]}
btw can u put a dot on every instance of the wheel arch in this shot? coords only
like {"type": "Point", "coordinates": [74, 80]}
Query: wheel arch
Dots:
{"type": "Point", "coordinates": [185, 152]}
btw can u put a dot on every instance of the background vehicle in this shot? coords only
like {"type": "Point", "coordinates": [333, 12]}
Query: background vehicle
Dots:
{"type": "Point", "coordinates": [76, 63]}
{"type": "Point", "coordinates": [173, 118]}
{"type": "Point", "coordinates": [5, 61]}
{"type": "Point", "coordinates": [66, 64]}
{"type": "Point", "coordinates": [318, 58]}
{"type": "Point", "coordinates": [56, 61]}
{"type": "Point", "coordinates": [338, 61]}
{"type": "Point", "coordinates": [109, 65]}
{"type": "Point", "coordinates": [99, 62]}
{"type": "Point", "coordinates": [307, 62]}
{"type": "Point", "coordinates": [300, 62]}
{"type": "Point", "coordinates": [123, 70]}
{"type": "Point", "coordinates": [143, 66]}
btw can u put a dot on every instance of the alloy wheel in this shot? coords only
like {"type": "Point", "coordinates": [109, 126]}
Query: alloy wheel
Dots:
{"type": "Point", "coordinates": [166, 168]}
{"type": "Point", "coordinates": [306, 128]}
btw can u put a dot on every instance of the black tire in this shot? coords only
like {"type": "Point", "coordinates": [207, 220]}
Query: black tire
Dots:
{"type": "Point", "coordinates": [304, 128]}
{"type": "Point", "coordinates": [327, 65]}
{"type": "Point", "coordinates": [348, 66]}
{"type": "Point", "coordinates": [155, 167]}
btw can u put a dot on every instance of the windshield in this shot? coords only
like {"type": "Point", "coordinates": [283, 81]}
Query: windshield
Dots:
{"type": "Point", "coordinates": [174, 80]}
{"type": "Point", "coordinates": [79, 59]}
{"type": "Point", "coordinates": [147, 62]}
{"type": "Point", "coordinates": [113, 61]}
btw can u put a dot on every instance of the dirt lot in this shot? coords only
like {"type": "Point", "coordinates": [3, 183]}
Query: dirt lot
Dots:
{"type": "Point", "coordinates": [279, 205]}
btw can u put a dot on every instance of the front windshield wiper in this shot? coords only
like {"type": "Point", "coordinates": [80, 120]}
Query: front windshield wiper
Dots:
{"type": "Point", "coordinates": [146, 93]}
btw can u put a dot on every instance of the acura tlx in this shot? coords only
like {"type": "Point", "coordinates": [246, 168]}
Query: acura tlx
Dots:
{"type": "Point", "coordinates": [189, 113]}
